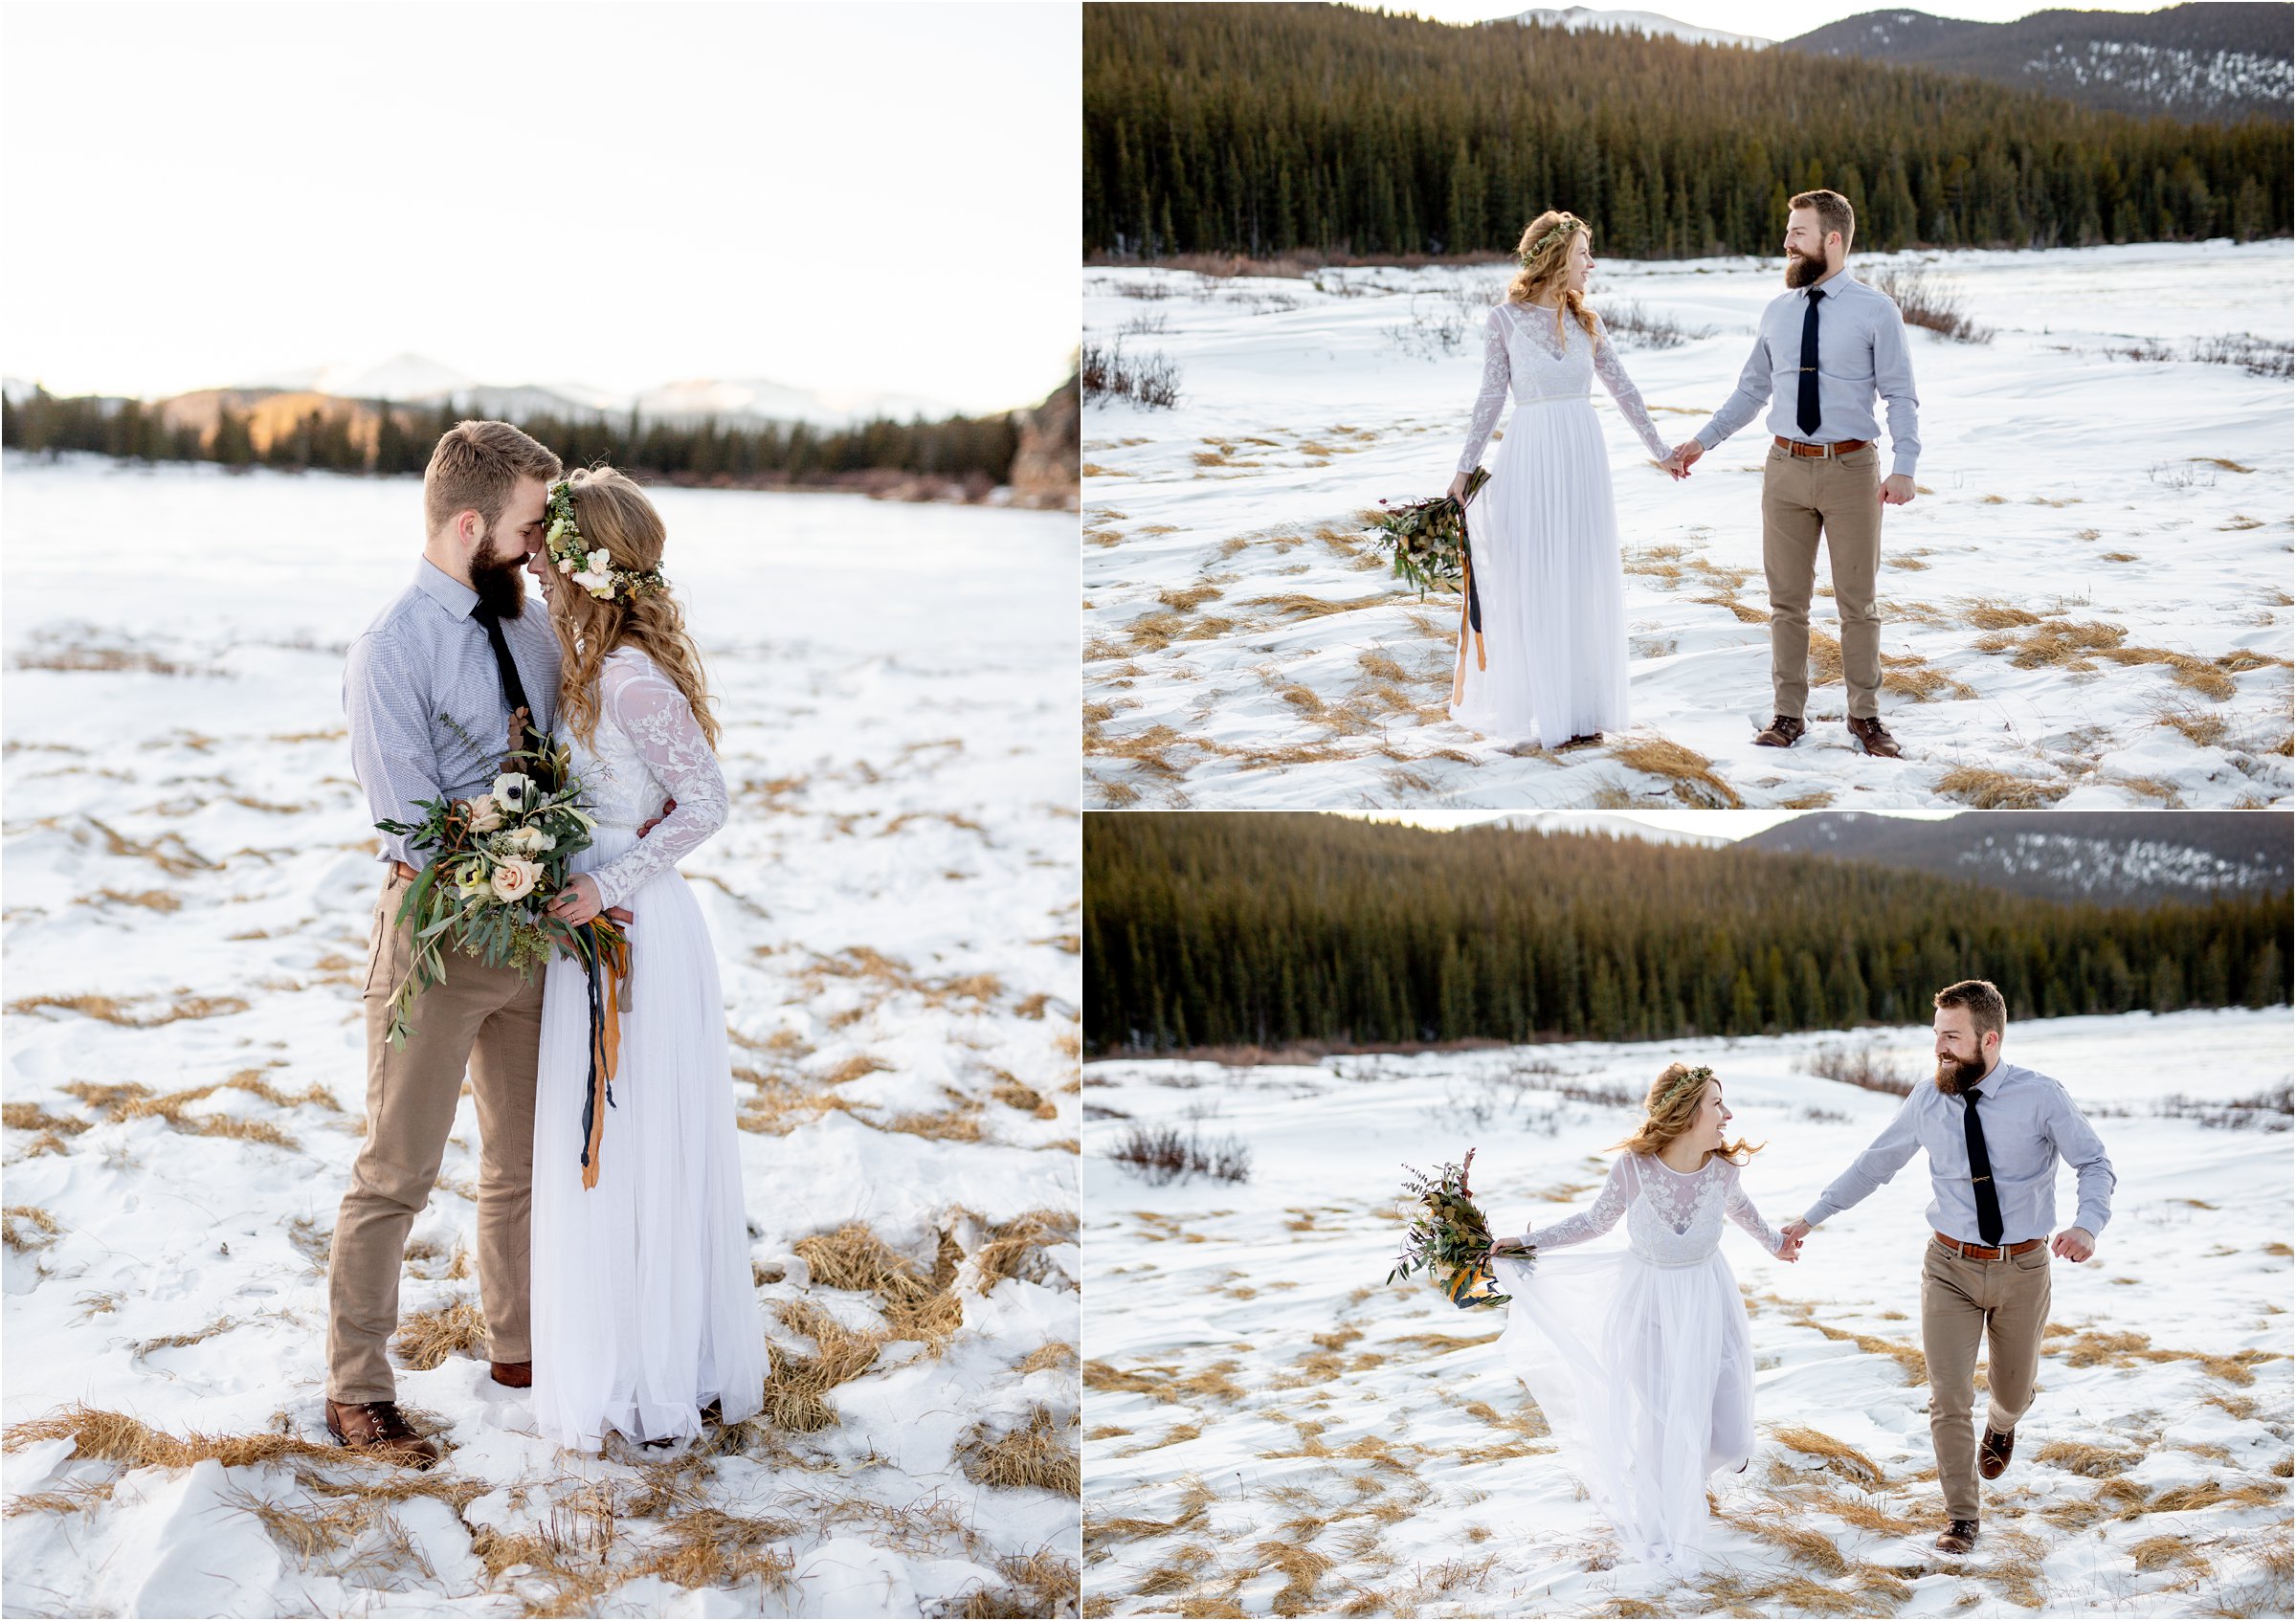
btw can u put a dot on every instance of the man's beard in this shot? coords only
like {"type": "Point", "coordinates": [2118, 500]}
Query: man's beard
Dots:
{"type": "Point", "coordinates": [1802, 270]}
{"type": "Point", "coordinates": [497, 579]}
{"type": "Point", "coordinates": [1954, 1077]}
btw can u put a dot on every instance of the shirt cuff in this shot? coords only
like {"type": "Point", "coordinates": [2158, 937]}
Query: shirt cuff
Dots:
{"type": "Point", "coordinates": [1903, 464]}
{"type": "Point", "coordinates": [2092, 1222]}
{"type": "Point", "coordinates": [1817, 1214]}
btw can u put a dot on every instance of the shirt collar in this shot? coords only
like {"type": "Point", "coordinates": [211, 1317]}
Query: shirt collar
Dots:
{"type": "Point", "coordinates": [1836, 283]}
{"type": "Point", "coordinates": [444, 589]}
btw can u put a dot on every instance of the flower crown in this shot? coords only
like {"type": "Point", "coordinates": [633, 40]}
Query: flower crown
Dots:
{"type": "Point", "coordinates": [1561, 228]}
{"type": "Point", "coordinates": [592, 570]}
{"type": "Point", "coordinates": [1698, 1077]}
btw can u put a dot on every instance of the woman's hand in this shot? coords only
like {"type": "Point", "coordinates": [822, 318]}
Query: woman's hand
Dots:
{"type": "Point", "coordinates": [577, 903]}
{"type": "Point", "coordinates": [1511, 1247]}
{"type": "Point", "coordinates": [1459, 489]}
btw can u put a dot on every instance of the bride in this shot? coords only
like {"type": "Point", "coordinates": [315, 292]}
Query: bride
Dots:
{"type": "Point", "coordinates": [644, 1309]}
{"type": "Point", "coordinates": [1545, 534]}
{"type": "Point", "coordinates": [1640, 1357]}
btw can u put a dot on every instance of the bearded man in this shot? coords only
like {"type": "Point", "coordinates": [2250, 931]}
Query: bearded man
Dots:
{"type": "Point", "coordinates": [1994, 1132]}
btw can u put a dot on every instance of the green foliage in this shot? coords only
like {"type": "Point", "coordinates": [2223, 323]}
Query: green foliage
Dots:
{"type": "Point", "coordinates": [1428, 539]}
{"type": "Point", "coordinates": [1267, 129]}
{"type": "Point", "coordinates": [1214, 929]}
{"type": "Point", "coordinates": [1450, 1238]}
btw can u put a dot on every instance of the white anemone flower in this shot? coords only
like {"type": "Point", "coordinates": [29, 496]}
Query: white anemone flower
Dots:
{"type": "Point", "coordinates": [511, 790]}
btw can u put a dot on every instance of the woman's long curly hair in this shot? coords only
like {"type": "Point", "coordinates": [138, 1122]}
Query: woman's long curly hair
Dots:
{"type": "Point", "coordinates": [1549, 269]}
{"type": "Point", "coordinates": [613, 513]}
{"type": "Point", "coordinates": [1672, 1109]}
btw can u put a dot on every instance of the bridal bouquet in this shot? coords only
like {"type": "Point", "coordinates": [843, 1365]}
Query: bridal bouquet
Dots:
{"type": "Point", "coordinates": [1427, 539]}
{"type": "Point", "coordinates": [1449, 1240]}
{"type": "Point", "coordinates": [498, 859]}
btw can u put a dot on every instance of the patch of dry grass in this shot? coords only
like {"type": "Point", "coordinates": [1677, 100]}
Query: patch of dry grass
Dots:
{"type": "Point", "coordinates": [1690, 773]}
{"type": "Point", "coordinates": [1041, 1452]}
{"type": "Point", "coordinates": [1838, 1456]}
{"type": "Point", "coordinates": [426, 1338]}
{"type": "Point", "coordinates": [1989, 790]}
{"type": "Point", "coordinates": [39, 1229]}
{"type": "Point", "coordinates": [916, 1307]}
{"type": "Point", "coordinates": [111, 1010]}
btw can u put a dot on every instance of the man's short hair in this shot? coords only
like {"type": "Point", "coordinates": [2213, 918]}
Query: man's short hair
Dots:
{"type": "Point", "coordinates": [476, 466]}
{"type": "Point", "coordinates": [1982, 998]}
{"type": "Point", "coordinates": [1834, 213]}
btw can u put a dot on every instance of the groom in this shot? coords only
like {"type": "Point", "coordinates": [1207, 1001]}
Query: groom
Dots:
{"type": "Point", "coordinates": [1994, 1133]}
{"type": "Point", "coordinates": [455, 647]}
{"type": "Point", "coordinates": [1824, 349]}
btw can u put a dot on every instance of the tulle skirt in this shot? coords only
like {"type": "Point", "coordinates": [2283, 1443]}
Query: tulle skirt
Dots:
{"type": "Point", "coordinates": [1646, 1374]}
{"type": "Point", "coordinates": [644, 1308]}
{"type": "Point", "coordinates": [1544, 536]}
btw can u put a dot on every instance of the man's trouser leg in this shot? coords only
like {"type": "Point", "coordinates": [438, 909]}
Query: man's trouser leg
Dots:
{"type": "Point", "coordinates": [1849, 502]}
{"type": "Point", "coordinates": [1789, 526]}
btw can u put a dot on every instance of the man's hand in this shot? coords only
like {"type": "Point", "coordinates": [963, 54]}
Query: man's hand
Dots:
{"type": "Point", "coordinates": [1897, 489]}
{"type": "Point", "coordinates": [647, 827]}
{"type": "Point", "coordinates": [1687, 453]}
{"type": "Point", "coordinates": [1797, 1231]}
{"type": "Point", "coordinates": [2074, 1244]}
{"type": "Point", "coordinates": [1790, 1246]}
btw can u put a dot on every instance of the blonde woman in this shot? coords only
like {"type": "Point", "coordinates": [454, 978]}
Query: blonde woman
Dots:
{"type": "Point", "coordinates": [644, 1308]}
{"type": "Point", "coordinates": [1544, 530]}
{"type": "Point", "coordinates": [1640, 1357]}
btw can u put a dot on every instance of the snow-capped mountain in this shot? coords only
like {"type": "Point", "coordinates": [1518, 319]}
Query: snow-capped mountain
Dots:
{"type": "Point", "coordinates": [1577, 17]}
{"type": "Point", "coordinates": [2194, 62]}
{"type": "Point", "coordinates": [410, 379]}
{"type": "Point", "coordinates": [2102, 856]}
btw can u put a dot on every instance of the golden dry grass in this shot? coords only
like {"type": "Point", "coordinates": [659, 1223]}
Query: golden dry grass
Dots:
{"type": "Point", "coordinates": [797, 1386]}
{"type": "Point", "coordinates": [1989, 790]}
{"type": "Point", "coordinates": [114, 1438]}
{"type": "Point", "coordinates": [1690, 773]}
{"type": "Point", "coordinates": [30, 1117]}
{"type": "Point", "coordinates": [39, 1229]}
{"type": "Point", "coordinates": [2078, 1457]}
{"type": "Point", "coordinates": [426, 1338]}
{"type": "Point", "coordinates": [1838, 1456]}
{"type": "Point", "coordinates": [1042, 1452]}
{"type": "Point", "coordinates": [111, 1010]}
{"type": "Point", "coordinates": [1016, 1248]}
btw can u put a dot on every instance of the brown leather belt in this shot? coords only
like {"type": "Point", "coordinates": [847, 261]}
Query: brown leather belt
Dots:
{"type": "Point", "coordinates": [1796, 446]}
{"type": "Point", "coordinates": [404, 872]}
{"type": "Point", "coordinates": [1979, 1253]}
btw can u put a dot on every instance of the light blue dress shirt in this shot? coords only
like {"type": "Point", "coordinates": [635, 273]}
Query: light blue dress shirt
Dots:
{"type": "Point", "coordinates": [424, 658]}
{"type": "Point", "coordinates": [1862, 352]}
{"type": "Point", "coordinates": [2029, 1121]}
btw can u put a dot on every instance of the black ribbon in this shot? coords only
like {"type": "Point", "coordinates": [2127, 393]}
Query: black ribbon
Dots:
{"type": "Point", "coordinates": [597, 1024]}
{"type": "Point", "coordinates": [1467, 551]}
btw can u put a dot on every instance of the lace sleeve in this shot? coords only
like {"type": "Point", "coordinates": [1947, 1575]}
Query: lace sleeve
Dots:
{"type": "Point", "coordinates": [1598, 1218]}
{"type": "Point", "coordinates": [1492, 398]}
{"type": "Point", "coordinates": [1608, 368]}
{"type": "Point", "coordinates": [1740, 1210]}
{"type": "Point", "coordinates": [660, 724]}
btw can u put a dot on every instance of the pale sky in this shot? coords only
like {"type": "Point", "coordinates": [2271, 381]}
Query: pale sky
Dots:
{"type": "Point", "coordinates": [852, 198]}
{"type": "Point", "coordinates": [1765, 19]}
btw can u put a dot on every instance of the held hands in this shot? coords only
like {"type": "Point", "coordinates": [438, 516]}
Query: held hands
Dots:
{"type": "Point", "coordinates": [1790, 1246]}
{"type": "Point", "coordinates": [1678, 465]}
{"type": "Point", "coordinates": [578, 901]}
{"type": "Point", "coordinates": [1897, 489]}
{"type": "Point", "coordinates": [647, 827]}
{"type": "Point", "coordinates": [2074, 1244]}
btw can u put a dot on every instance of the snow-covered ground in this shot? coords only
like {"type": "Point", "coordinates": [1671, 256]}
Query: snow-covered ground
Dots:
{"type": "Point", "coordinates": [1271, 1426]}
{"type": "Point", "coordinates": [2088, 603]}
{"type": "Point", "coordinates": [188, 883]}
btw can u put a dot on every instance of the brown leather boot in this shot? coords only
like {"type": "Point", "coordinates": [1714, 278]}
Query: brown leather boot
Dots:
{"type": "Point", "coordinates": [517, 1375]}
{"type": "Point", "coordinates": [1958, 1537]}
{"type": "Point", "coordinates": [1784, 731]}
{"type": "Point", "coordinates": [379, 1428]}
{"type": "Point", "coordinates": [1993, 1453]}
{"type": "Point", "coordinates": [1874, 737]}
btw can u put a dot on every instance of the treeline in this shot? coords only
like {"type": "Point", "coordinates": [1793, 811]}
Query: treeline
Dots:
{"type": "Point", "coordinates": [1266, 128]}
{"type": "Point", "coordinates": [375, 437]}
{"type": "Point", "coordinates": [1260, 929]}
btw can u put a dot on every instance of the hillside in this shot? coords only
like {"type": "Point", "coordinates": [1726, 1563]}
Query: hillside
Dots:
{"type": "Point", "coordinates": [2221, 63]}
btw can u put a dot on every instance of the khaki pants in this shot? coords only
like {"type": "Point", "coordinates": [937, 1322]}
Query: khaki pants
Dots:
{"type": "Point", "coordinates": [491, 1020]}
{"type": "Point", "coordinates": [2004, 1304]}
{"type": "Point", "coordinates": [1841, 496]}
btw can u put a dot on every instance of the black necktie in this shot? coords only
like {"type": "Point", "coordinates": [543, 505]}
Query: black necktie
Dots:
{"type": "Point", "coordinates": [1981, 1170]}
{"type": "Point", "coordinates": [514, 691]}
{"type": "Point", "coordinates": [1805, 408]}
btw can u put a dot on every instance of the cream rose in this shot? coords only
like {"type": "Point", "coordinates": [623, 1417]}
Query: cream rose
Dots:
{"type": "Point", "coordinates": [514, 880]}
{"type": "Point", "coordinates": [485, 816]}
{"type": "Point", "coordinates": [531, 839]}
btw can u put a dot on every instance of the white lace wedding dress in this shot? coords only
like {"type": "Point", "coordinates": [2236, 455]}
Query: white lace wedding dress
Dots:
{"type": "Point", "coordinates": [1640, 1357]}
{"type": "Point", "coordinates": [644, 1308]}
{"type": "Point", "coordinates": [1544, 534]}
